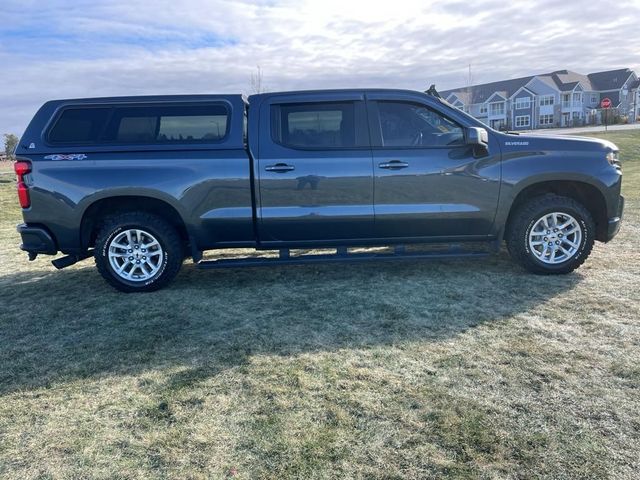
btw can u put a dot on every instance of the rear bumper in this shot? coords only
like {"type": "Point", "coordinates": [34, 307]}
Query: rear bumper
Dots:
{"type": "Point", "coordinates": [614, 223]}
{"type": "Point", "coordinates": [36, 239]}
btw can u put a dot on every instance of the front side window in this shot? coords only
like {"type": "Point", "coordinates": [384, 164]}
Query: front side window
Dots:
{"type": "Point", "coordinates": [522, 120]}
{"type": "Point", "coordinates": [412, 125]}
{"type": "Point", "coordinates": [522, 103]}
{"type": "Point", "coordinates": [141, 125]}
{"type": "Point", "coordinates": [314, 125]}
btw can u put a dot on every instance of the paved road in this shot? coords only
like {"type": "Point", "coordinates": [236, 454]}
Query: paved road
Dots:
{"type": "Point", "coordinates": [570, 131]}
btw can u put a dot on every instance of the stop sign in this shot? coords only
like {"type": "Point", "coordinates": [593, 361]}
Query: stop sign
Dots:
{"type": "Point", "coordinates": [605, 103]}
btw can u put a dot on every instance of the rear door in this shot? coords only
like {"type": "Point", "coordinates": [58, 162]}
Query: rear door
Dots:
{"type": "Point", "coordinates": [314, 169]}
{"type": "Point", "coordinates": [428, 183]}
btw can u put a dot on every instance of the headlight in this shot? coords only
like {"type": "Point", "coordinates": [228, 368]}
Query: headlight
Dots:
{"type": "Point", "coordinates": [612, 158]}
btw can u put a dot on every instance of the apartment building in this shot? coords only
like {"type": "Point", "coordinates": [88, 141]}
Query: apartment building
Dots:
{"type": "Point", "coordinates": [558, 99]}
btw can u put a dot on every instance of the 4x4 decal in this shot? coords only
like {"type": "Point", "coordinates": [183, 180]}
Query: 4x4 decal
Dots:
{"type": "Point", "coordinates": [70, 156]}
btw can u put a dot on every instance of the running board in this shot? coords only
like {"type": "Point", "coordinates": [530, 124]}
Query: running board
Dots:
{"type": "Point", "coordinates": [341, 255]}
{"type": "Point", "coordinates": [68, 260]}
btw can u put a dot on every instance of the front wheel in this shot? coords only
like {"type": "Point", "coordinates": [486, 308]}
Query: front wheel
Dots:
{"type": "Point", "coordinates": [138, 252]}
{"type": "Point", "coordinates": [551, 235]}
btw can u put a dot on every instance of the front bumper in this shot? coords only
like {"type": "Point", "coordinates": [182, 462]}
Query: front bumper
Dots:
{"type": "Point", "coordinates": [614, 223]}
{"type": "Point", "coordinates": [36, 239]}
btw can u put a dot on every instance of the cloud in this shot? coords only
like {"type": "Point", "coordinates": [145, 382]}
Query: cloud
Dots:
{"type": "Point", "coordinates": [78, 49]}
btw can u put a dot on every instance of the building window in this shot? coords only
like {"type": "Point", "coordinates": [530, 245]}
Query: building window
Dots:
{"type": "Point", "coordinates": [576, 115]}
{"type": "Point", "coordinates": [523, 121]}
{"type": "Point", "coordinates": [577, 98]}
{"type": "Point", "coordinates": [594, 98]}
{"type": "Point", "coordinates": [546, 100]}
{"type": "Point", "coordinates": [546, 119]}
{"type": "Point", "coordinates": [522, 103]}
{"type": "Point", "coordinates": [497, 108]}
{"type": "Point", "coordinates": [483, 108]}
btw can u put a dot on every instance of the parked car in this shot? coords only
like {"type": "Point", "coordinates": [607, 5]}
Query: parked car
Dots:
{"type": "Point", "coordinates": [141, 183]}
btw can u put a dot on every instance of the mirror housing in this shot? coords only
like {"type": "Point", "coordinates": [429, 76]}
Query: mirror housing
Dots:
{"type": "Point", "coordinates": [476, 136]}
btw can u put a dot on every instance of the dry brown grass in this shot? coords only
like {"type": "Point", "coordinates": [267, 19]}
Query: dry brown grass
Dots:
{"type": "Point", "coordinates": [463, 369]}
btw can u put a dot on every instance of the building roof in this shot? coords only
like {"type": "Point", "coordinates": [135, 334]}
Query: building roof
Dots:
{"type": "Point", "coordinates": [563, 80]}
{"type": "Point", "coordinates": [567, 80]}
{"type": "Point", "coordinates": [481, 93]}
{"type": "Point", "coordinates": [611, 79]}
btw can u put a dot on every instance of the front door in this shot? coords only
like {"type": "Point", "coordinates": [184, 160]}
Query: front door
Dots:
{"type": "Point", "coordinates": [428, 183]}
{"type": "Point", "coordinates": [315, 171]}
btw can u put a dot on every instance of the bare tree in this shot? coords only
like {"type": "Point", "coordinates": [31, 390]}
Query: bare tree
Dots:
{"type": "Point", "coordinates": [256, 81]}
{"type": "Point", "coordinates": [469, 89]}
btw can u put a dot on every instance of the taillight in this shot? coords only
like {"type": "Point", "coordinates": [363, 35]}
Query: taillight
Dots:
{"type": "Point", "coordinates": [21, 169]}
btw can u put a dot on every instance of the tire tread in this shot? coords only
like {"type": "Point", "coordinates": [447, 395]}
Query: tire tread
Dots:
{"type": "Point", "coordinates": [534, 208]}
{"type": "Point", "coordinates": [169, 236]}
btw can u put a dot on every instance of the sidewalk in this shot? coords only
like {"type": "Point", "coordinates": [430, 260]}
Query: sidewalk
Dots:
{"type": "Point", "coordinates": [569, 131]}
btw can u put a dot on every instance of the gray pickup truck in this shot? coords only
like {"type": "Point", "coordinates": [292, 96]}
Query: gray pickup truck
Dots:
{"type": "Point", "coordinates": [141, 183]}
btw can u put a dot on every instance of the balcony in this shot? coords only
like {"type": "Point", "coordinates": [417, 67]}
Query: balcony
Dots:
{"type": "Point", "coordinates": [575, 105]}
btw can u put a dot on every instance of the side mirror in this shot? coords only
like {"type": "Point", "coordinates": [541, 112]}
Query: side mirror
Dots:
{"type": "Point", "coordinates": [476, 136]}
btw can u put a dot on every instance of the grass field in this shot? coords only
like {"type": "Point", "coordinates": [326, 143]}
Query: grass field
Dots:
{"type": "Point", "coordinates": [464, 369]}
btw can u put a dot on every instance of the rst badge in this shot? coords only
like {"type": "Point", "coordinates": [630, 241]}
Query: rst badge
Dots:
{"type": "Point", "coordinates": [69, 156]}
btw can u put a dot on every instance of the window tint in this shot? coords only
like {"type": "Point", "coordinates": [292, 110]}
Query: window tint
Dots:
{"type": "Point", "coordinates": [79, 125]}
{"type": "Point", "coordinates": [412, 125]}
{"type": "Point", "coordinates": [141, 125]}
{"type": "Point", "coordinates": [167, 124]}
{"type": "Point", "coordinates": [314, 125]}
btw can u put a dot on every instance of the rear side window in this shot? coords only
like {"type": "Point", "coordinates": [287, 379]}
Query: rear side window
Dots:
{"type": "Point", "coordinates": [79, 125]}
{"type": "Point", "coordinates": [142, 125]}
{"type": "Point", "coordinates": [318, 125]}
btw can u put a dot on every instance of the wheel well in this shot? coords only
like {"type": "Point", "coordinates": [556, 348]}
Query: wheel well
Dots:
{"type": "Point", "coordinates": [586, 194]}
{"type": "Point", "coordinates": [97, 211]}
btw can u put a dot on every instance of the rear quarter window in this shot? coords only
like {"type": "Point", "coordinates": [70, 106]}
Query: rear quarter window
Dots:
{"type": "Point", "coordinates": [141, 125]}
{"type": "Point", "coordinates": [322, 125]}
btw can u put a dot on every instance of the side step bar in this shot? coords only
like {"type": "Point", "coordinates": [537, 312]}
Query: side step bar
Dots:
{"type": "Point", "coordinates": [68, 260]}
{"type": "Point", "coordinates": [342, 255]}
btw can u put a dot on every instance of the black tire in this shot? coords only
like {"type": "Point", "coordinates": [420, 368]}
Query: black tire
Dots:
{"type": "Point", "coordinates": [524, 219]}
{"type": "Point", "coordinates": [166, 235]}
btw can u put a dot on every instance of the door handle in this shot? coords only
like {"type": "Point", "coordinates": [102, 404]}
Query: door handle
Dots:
{"type": "Point", "coordinates": [279, 167]}
{"type": "Point", "coordinates": [393, 165]}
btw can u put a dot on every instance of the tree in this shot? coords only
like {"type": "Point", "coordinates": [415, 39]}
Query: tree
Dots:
{"type": "Point", "coordinates": [10, 144]}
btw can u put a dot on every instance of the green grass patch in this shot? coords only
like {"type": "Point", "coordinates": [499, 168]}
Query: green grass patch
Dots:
{"type": "Point", "coordinates": [456, 369]}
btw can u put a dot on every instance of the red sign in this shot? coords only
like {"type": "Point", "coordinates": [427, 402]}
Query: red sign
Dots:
{"type": "Point", "coordinates": [605, 103]}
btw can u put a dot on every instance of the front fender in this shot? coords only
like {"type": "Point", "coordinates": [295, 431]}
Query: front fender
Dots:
{"type": "Point", "coordinates": [522, 170]}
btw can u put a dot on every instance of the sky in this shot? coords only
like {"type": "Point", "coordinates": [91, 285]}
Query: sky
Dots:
{"type": "Point", "coordinates": [52, 49]}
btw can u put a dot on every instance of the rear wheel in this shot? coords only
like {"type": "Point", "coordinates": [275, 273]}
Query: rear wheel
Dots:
{"type": "Point", "coordinates": [551, 235]}
{"type": "Point", "coordinates": [138, 252]}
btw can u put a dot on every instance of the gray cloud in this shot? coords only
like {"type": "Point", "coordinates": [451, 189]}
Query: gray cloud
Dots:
{"type": "Point", "coordinates": [77, 49]}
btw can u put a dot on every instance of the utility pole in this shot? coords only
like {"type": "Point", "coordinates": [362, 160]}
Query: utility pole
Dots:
{"type": "Point", "coordinates": [469, 89]}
